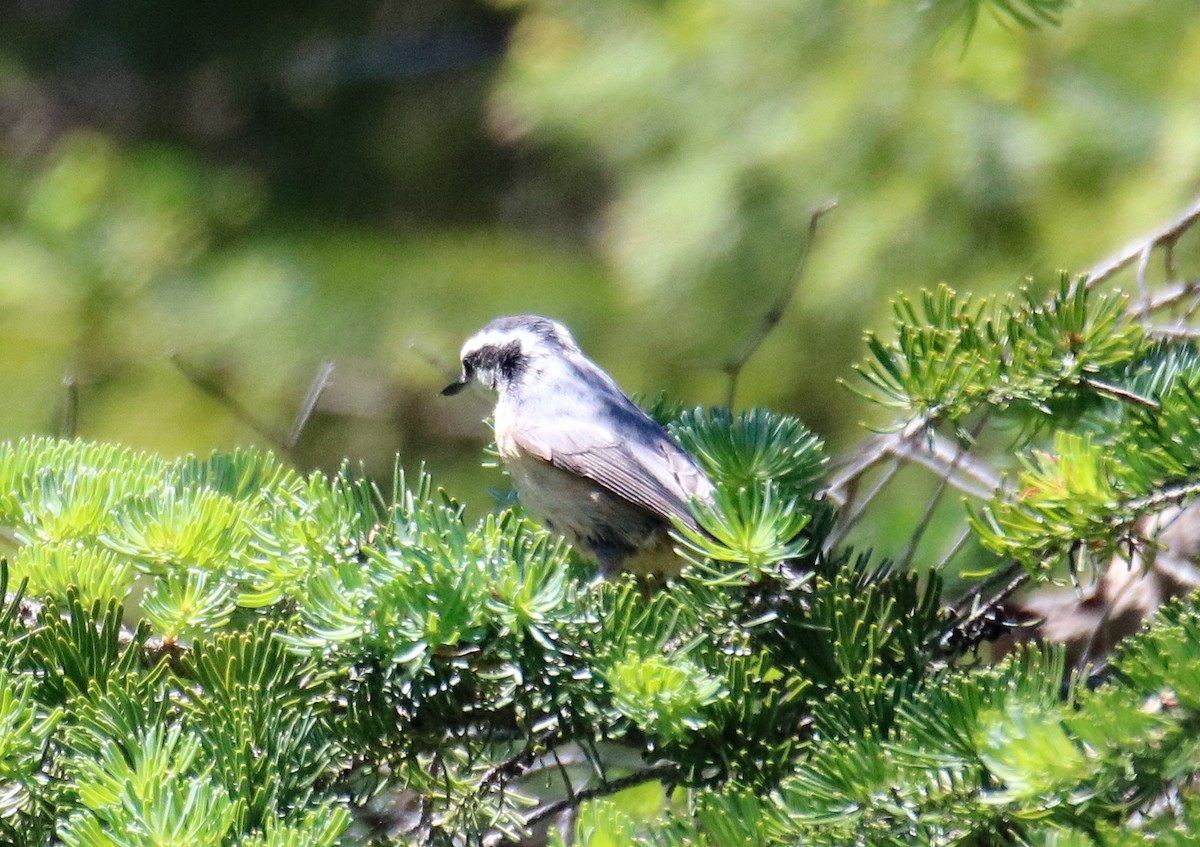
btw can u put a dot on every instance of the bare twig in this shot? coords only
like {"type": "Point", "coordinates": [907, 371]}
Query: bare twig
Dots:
{"type": "Point", "coordinates": [733, 368]}
{"type": "Point", "coordinates": [970, 476]}
{"type": "Point", "coordinates": [218, 393]}
{"type": "Point", "coordinates": [1168, 296]}
{"type": "Point", "coordinates": [960, 455]}
{"type": "Point", "coordinates": [1173, 332]}
{"type": "Point", "coordinates": [664, 771]}
{"type": "Point", "coordinates": [1166, 497]}
{"type": "Point", "coordinates": [867, 456]}
{"type": "Point", "coordinates": [841, 484]}
{"type": "Point", "coordinates": [974, 617]}
{"type": "Point", "coordinates": [434, 359]}
{"type": "Point", "coordinates": [1190, 312]}
{"type": "Point", "coordinates": [519, 764]}
{"type": "Point", "coordinates": [1005, 578]}
{"type": "Point", "coordinates": [1117, 393]}
{"type": "Point", "coordinates": [954, 549]}
{"type": "Point", "coordinates": [847, 523]}
{"type": "Point", "coordinates": [70, 418]}
{"type": "Point", "coordinates": [1142, 265]}
{"type": "Point", "coordinates": [1163, 237]}
{"type": "Point", "coordinates": [566, 775]}
{"type": "Point", "coordinates": [931, 450]}
{"type": "Point", "coordinates": [316, 388]}
{"type": "Point", "coordinates": [910, 550]}
{"type": "Point", "coordinates": [284, 442]}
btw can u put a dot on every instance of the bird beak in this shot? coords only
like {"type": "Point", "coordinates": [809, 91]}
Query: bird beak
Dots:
{"type": "Point", "coordinates": [456, 386]}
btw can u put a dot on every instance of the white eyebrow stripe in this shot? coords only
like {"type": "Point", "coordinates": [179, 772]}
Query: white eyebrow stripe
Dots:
{"type": "Point", "coordinates": [527, 339]}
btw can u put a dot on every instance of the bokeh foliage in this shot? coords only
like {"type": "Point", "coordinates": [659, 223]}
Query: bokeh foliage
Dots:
{"type": "Point", "coordinates": [288, 186]}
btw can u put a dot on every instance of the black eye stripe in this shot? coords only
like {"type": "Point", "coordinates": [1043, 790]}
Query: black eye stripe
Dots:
{"type": "Point", "coordinates": [507, 359]}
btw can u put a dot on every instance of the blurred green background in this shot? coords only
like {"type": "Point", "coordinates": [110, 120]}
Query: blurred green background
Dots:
{"type": "Point", "coordinates": [254, 189]}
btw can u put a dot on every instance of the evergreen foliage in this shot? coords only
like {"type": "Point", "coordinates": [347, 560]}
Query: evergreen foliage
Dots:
{"type": "Point", "coordinates": [223, 651]}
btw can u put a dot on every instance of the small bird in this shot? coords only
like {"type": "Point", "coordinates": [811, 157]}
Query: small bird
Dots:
{"type": "Point", "coordinates": [584, 459]}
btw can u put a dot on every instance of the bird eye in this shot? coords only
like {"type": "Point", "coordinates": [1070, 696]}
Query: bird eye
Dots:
{"type": "Point", "coordinates": [468, 368]}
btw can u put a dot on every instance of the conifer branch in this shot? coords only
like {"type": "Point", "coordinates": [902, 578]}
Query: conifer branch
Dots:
{"type": "Point", "coordinates": [152, 647]}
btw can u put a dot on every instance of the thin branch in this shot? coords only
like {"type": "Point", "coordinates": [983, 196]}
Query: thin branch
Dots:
{"type": "Point", "coordinates": [435, 359]}
{"type": "Point", "coordinates": [974, 617]}
{"type": "Point", "coordinates": [1191, 311]}
{"type": "Point", "coordinates": [519, 764]}
{"type": "Point", "coordinates": [954, 549]}
{"type": "Point", "coordinates": [1165, 497]}
{"type": "Point", "coordinates": [932, 451]}
{"type": "Point", "coordinates": [70, 418]}
{"type": "Point", "coordinates": [1173, 332]}
{"type": "Point", "coordinates": [566, 775]}
{"type": "Point", "coordinates": [870, 454]}
{"type": "Point", "coordinates": [1117, 393]}
{"type": "Point", "coordinates": [843, 529]}
{"type": "Point", "coordinates": [316, 388]}
{"type": "Point", "coordinates": [284, 442]}
{"type": "Point", "coordinates": [1142, 265]}
{"type": "Point", "coordinates": [910, 550]}
{"type": "Point", "coordinates": [936, 453]}
{"type": "Point", "coordinates": [217, 392]}
{"type": "Point", "coordinates": [970, 601]}
{"type": "Point", "coordinates": [867, 456]}
{"type": "Point", "coordinates": [971, 477]}
{"type": "Point", "coordinates": [661, 772]}
{"type": "Point", "coordinates": [1163, 237]}
{"type": "Point", "coordinates": [960, 454]}
{"type": "Point", "coordinates": [733, 368]}
{"type": "Point", "coordinates": [1168, 296]}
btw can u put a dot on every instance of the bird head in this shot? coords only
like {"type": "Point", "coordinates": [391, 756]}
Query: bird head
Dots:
{"type": "Point", "coordinates": [507, 349]}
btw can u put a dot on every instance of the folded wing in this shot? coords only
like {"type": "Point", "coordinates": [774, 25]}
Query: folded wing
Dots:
{"type": "Point", "coordinates": [650, 470]}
